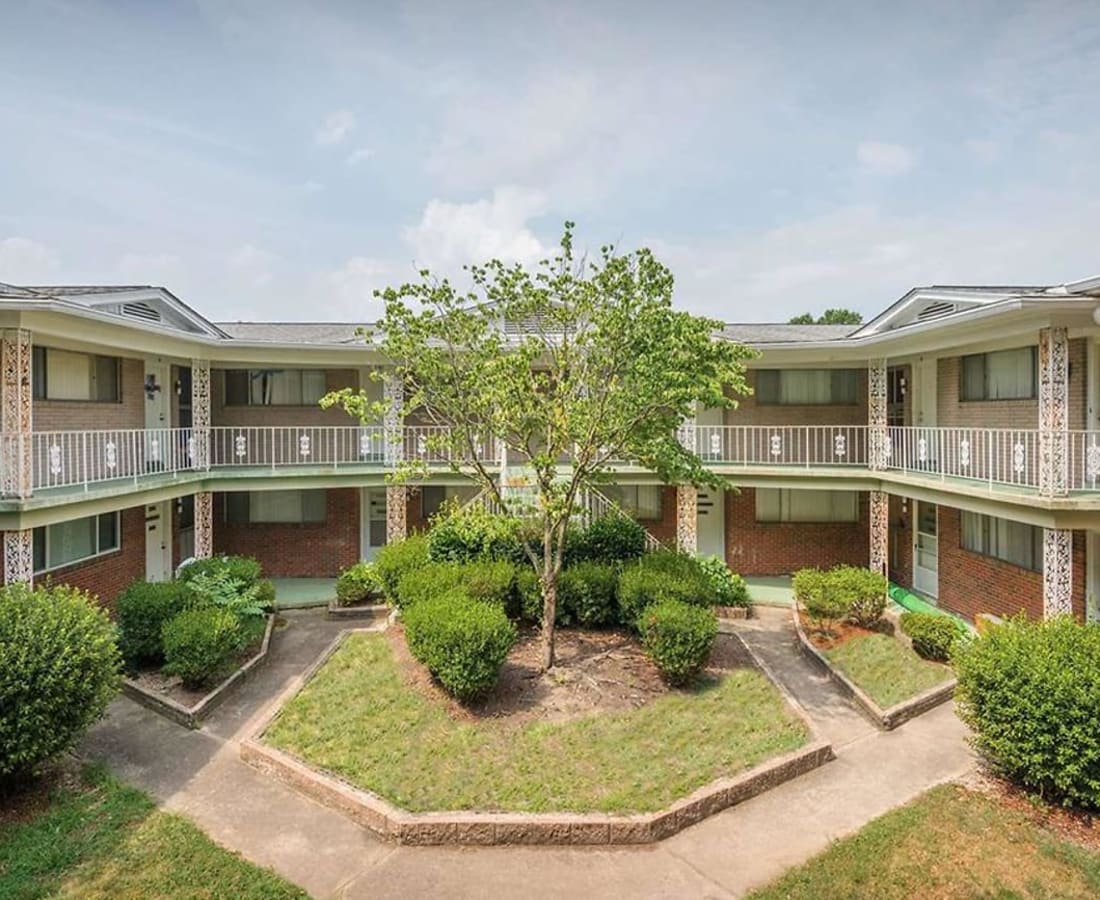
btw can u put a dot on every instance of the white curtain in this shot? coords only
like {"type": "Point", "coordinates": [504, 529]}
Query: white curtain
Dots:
{"type": "Point", "coordinates": [68, 375]}
{"type": "Point", "coordinates": [1010, 374]}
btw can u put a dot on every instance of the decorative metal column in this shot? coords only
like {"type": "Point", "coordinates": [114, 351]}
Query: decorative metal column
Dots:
{"type": "Point", "coordinates": [19, 556]}
{"type": "Point", "coordinates": [204, 525]}
{"type": "Point", "coordinates": [878, 440]}
{"type": "Point", "coordinates": [1057, 571]}
{"type": "Point", "coordinates": [15, 414]}
{"type": "Point", "coordinates": [687, 518]}
{"type": "Point", "coordinates": [879, 532]}
{"type": "Point", "coordinates": [393, 392]}
{"type": "Point", "coordinates": [1053, 412]}
{"type": "Point", "coordinates": [200, 415]}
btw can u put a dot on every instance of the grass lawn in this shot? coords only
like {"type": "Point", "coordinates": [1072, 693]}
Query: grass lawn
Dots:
{"type": "Point", "coordinates": [359, 720]}
{"type": "Point", "coordinates": [102, 839]}
{"type": "Point", "coordinates": [885, 668]}
{"type": "Point", "coordinates": [948, 843]}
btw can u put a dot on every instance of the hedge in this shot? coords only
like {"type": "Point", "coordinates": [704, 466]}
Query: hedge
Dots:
{"type": "Point", "coordinates": [934, 635]}
{"type": "Point", "coordinates": [356, 583]}
{"type": "Point", "coordinates": [142, 609]}
{"type": "Point", "coordinates": [395, 559]}
{"type": "Point", "coordinates": [678, 638]}
{"type": "Point", "coordinates": [662, 576]}
{"type": "Point", "coordinates": [489, 582]}
{"type": "Point", "coordinates": [198, 643]}
{"type": "Point", "coordinates": [586, 595]}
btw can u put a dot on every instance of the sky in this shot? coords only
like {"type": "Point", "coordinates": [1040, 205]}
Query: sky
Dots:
{"type": "Point", "coordinates": [267, 159]}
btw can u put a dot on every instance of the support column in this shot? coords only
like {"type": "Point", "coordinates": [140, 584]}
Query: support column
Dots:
{"type": "Point", "coordinates": [687, 518]}
{"type": "Point", "coordinates": [393, 393]}
{"type": "Point", "coordinates": [1053, 412]}
{"type": "Point", "coordinates": [200, 417]}
{"type": "Point", "coordinates": [879, 557]}
{"type": "Point", "coordinates": [1057, 571]}
{"type": "Point", "coordinates": [204, 525]}
{"type": "Point", "coordinates": [15, 412]}
{"type": "Point", "coordinates": [396, 513]}
{"type": "Point", "coordinates": [878, 441]}
{"type": "Point", "coordinates": [19, 556]}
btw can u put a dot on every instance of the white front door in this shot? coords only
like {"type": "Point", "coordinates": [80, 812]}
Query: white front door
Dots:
{"type": "Point", "coordinates": [158, 541]}
{"type": "Point", "coordinates": [711, 524]}
{"type": "Point", "coordinates": [373, 521]}
{"type": "Point", "coordinates": [925, 393]}
{"type": "Point", "coordinates": [926, 550]}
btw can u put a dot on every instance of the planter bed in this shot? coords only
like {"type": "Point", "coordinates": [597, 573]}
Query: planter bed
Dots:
{"type": "Point", "coordinates": [372, 608]}
{"type": "Point", "coordinates": [880, 671]}
{"type": "Point", "coordinates": [167, 695]}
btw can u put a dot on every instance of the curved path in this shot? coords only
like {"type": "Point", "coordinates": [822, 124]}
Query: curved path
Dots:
{"type": "Point", "coordinates": [199, 774]}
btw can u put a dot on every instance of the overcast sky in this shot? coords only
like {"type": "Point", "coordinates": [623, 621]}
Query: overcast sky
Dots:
{"type": "Point", "coordinates": [266, 159]}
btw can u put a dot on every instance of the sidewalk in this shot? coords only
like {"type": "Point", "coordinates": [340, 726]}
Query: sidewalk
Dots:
{"type": "Point", "coordinates": [199, 774]}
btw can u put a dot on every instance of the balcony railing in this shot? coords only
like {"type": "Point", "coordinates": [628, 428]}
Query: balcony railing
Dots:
{"type": "Point", "coordinates": [780, 445]}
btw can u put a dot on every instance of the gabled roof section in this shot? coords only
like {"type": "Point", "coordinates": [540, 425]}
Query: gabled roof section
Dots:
{"type": "Point", "coordinates": [924, 304]}
{"type": "Point", "coordinates": [148, 304]}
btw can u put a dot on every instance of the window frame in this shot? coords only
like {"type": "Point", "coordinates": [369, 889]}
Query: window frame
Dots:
{"type": "Point", "coordinates": [965, 389]}
{"type": "Point", "coordinates": [40, 381]}
{"type": "Point", "coordinates": [990, 541]}
{"type": "Point", "coordinates": [773, 396]}
{"type": "Point", "coordinates": [44, 531]}
{"type": "Point", "coordinates": [251, 374]}
{"type": "Point", "coordinates": [783, 515]}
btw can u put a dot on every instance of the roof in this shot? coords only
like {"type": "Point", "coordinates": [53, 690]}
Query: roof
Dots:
{"type": "Point", "coordinates": [764, 333]}
{"type": "Point", "coordinates": [65, 290]}
{"type": "Point", "coordinates": [294, 332]}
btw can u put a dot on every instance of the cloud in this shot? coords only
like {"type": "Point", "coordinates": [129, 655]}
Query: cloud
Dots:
{"type": "Point", "coordinates": [153, 268]}
{"type": "Point", "coordinates": [983, 150]}
{"type": "Point", "coordinates": [358, 156]}
{"type": "Point", "coordinates": [451, 234]}
{"type": "Point", "coordinates": [350, 287]}
{"type": "Point", "coordinates": [337, 126]}
{"type": "Point", "coordinates": [24, 261]}
{"type": "Point", "coordinates": [253, 264]}
{"type": "Point", "coordinates": [881, 158]}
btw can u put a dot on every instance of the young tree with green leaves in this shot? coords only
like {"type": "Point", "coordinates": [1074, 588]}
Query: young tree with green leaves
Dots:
{"type": "Point", "coordinates": [574, 365]}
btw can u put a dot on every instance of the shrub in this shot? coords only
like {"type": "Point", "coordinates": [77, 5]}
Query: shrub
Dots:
{"type": "Point", "coordinates": [662, 576]}
{"type": "Point", "coordinates": [613, 538]}
{"type": "Point", "coordinates": [933, 635]}
{"type": "Point", "coordinates": [142, 610]}
{"type": "Point", "coordinates": [729, 587]}
{"type": "Point", "coordinates": [528, 593]}
{"type": "Point", "coordinates": [586, 595]}
{"type": "Point", "coordinates": [807, 584]}
{"type": "Point", "coordinates": [474, 533]}
{"type": "Point", "coordinates": [265, 594]}
{"type": "Point", "coordinates": [199, 642]}
{"type": "Point", "coordinates": [489, 582]}
{"type": "Point", "coordinates": [462, 642]}
{"type": "Point", "coordinates": [59, 668]}
{"type": "Point", "coordinates": [823, 596]}
{"type": "Point", "coordinates": [397, 558]}
{"type": "Point", "coordinates": [678, 638]}
{"type": "Point", "coordinates": [221, 590]}
{"type": "Point", "coordinates": [243, 569]}
{"type": "Point", "coordinates": [864, 592]}
{"type": "Point", "coordinates": [356, 583]}
{"type": "Point", "coordinates": [1031, 693]}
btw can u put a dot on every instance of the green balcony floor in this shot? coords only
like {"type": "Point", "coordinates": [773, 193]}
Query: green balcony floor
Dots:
{"type": "Point", "coordinates": [299, 593]}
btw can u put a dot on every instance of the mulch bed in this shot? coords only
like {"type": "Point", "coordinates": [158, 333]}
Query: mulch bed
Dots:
{"type": "Point", "coordinates": [595, 672]}
{"type": "Point", "coordinates": [841, 632]}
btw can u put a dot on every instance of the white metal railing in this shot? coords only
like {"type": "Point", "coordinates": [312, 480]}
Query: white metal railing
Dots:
{"type": "Point", "coordinates": [75, 458]}
{"type": "Point", "coordinates": [990, 455]}
{"type": "Point", "coordinates": [284, 446]}
{"type": "Point", "coordinates": [779, 445]}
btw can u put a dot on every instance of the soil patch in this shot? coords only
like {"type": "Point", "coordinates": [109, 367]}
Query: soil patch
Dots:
{"type": "Point", "coordinates": [841, 632]}
{"type": "Point", "coordinates": [25, 800]}
{"type": "Point", "coordinates": [156, 682]}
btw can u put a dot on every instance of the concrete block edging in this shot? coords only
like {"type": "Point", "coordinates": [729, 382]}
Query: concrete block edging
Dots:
{"type": "Point", "coordinates": [477, 828]}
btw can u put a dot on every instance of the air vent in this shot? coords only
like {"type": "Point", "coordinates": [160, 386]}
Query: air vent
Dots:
{"type": "Point", "coordinates": [140, 310]}
{"type": "Point", "coordinates": [935, 311]}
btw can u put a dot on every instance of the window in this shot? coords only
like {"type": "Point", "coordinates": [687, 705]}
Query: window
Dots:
{"type": "Point", "coordinates": [432, 497]}
{"type": "Point", "coordinates": [1013, 542]}
{"type": "Point", "coordinates": [641, 501]}
{"type": "Point", "coordinates": [807, 387]}
{"type": "Point", "coordinates": [1002, 375]}
{"type": "Point", "coordinates": [69, 542]}
{"type": "Point", "coordinates": [63, 375]}
{"type": "Point", "coordinates": [786, 505]}
{"type": "Point", "coordinates": [274, 387]}
{"type": "Point", "coordinates": [284, 507]}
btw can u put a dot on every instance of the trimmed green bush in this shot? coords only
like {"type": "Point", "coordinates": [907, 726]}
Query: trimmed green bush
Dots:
{"type": "Point", "coordinates": [729, 587]}
{"type": "Point", "coordinates": [678, 638]}
{"type": "Point", "coordinates": [933, 635]}
{"type": "Point", "coordinates": [613, 538]}
{"type": "Point", "coordinates": [243, 569]}
{"type": "Point", "coordinates": [586, 595]}
{"type": "Point", "coordinates": [1030, 691]}
{"type": "Point", "coordinates": [59, 668]}
{"type": "Point", "coordinates": [142, 609]}
{"type": "Point", "coordinates": [807, 584]}
{"type": "Point", "coordinates": [356, 583]}
{"type": "Point", "coordinates": [198, 643]}
{"type": "Point", "coordinates": [863, 590]}
{"type": "Point", "coordinates": [489, 582]}
{"type": "Point", "coordinates": [462, 642]}
{"type": "Point", "coordinates": [528, 590]}
{"type": "Point", "coordinates": [474, 533]}
{"type": "Point", "coordinates": [823, 597]}
{"type": "Point", "coordinates": [657, 577]}
{"type": "Point", "coordinates": [395, 559]}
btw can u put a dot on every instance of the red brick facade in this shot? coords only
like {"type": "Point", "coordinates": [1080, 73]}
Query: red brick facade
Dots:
{"type": "Point", "coordinates": [309, 550]}
{"type": "Point", "coordinates": [749, 412]}
{"type": "Point", "coordinates": [259, 416]}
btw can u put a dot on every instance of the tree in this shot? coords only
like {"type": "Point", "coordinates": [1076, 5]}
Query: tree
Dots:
{"type": "Point", "coordinates": [829, 317]}
{"type": "Point", "coordinates": [602, 369]}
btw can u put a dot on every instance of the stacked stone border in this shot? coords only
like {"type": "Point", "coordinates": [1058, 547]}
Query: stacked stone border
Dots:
{"type": "Point", "coordinates": [192, 716]}
{"type": "Point", "coordinates": [886, 719]}
{"type": "Point", "coordinates": [476, 828]}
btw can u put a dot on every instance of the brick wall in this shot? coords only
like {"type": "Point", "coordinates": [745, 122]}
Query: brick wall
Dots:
{"type": "Point", "coordinates": [951, 412]}
{"type": "Point", "coordinates": [664, 528]}
{"type": "Point", "coordinates": [245, 416]}
{"type": "Point", "coordinates": [900, 557]}
{"type": "Point", "coordinates": [749, 412]}
{"type": "Point", "coordinates": [970, 583]}
{"type": "Point", "coordinates": [778, 548]}
{"type": "Point", "coordinates": [310, 550]}
{"type": "Point", "coordinates": [83, 415]}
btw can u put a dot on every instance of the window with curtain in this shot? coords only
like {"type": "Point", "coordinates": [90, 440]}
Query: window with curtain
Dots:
{"type": "Point", "coordinates": [65, 375]}
{"type": "Point", "coordinates": [641, 501]}
{"type": "Point", "coordinates": [1012, 542]}
{"type": "Point", "coordinates": [270, 507]}
{"type": "Point", "coordinates": [70, 542]}
{"type": "Point", "coordinates": [807, 387]}
{"type": "Point", "coordinates": [282, 387]}
{"type": "Point", "coordinates": [1000, 375]}
{"type": "Point", "coordinates": [793, 505]}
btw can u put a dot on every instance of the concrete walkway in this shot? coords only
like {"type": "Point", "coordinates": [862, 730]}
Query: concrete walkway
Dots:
{"type": "Point", "coordinates": [199, 775]}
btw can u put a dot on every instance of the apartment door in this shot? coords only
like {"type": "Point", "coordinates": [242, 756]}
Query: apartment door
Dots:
{"type": "Point", "coordinates": [711, 524]}
{"type": "Point", "coordinates": [373, 521]}
{"type": "Point", "coordinates": [158, 541]}
{"type": "Point", "coordinates": [158, 412]}
{"type": "Point", "coordinates": [925, 396]}
{"type": "Point", "coordinates": [926, 550]}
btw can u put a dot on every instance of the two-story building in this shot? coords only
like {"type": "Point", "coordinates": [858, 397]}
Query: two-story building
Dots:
{"type": "Point", "coordinates": [951, 441]}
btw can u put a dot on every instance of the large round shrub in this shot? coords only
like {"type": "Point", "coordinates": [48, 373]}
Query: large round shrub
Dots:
{"type": "Point", "coordinates": [142, 609]}
{"type": "Point", "coordinates": [934, 635]}
{"type": "Point", "coordinates": [586, 595]}
{"type": "Point", "coordinates": [678, 638]}
{"type": "Point", "coordinates": [657, 577]}
{"type": "Point", "coordinates": [395, 559]}
{"type": "Point", "coordinates": [356, 583]}
{"type": "Point", "coordinates": [59, 668]}
{"type": "Point", "coordinates": [489, 582]}
{"type": "Point", "coordinates": [730, 588]}
{"type": "Point", "coordinates": [862, 590]}
{"type": "Point", "coordinates": [463, 642]}
{"type": "Point", "coordinates": [1031, 693]}
{"type": "Point", "coordinates": [473, 533]}
{"type": "Point", "coordinates": [609, 539]}
{"type": "Point", "coordinates": [198, 643]}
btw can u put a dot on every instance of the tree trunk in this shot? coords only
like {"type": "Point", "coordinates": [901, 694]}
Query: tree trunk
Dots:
{"type": "Point", "coordinates": [549, 614]}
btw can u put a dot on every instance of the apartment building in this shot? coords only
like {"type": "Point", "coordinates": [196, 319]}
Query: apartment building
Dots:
{"type": "Point", "coordinates": [952, 441]}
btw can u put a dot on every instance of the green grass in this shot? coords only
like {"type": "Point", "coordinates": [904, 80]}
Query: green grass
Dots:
{"type": "Point", "coordinates": [885, 668]}
{"type": "Point", "coordinates": [359, 720]}
{"type": "Point", "coordinates": [105, 840]}
{"type": "Point", "coordinates": [948, 843]}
